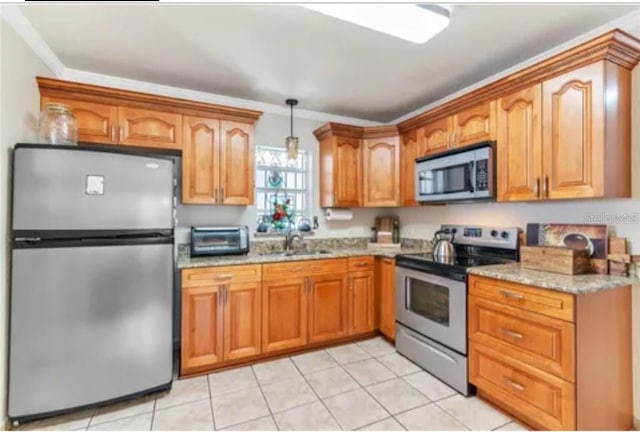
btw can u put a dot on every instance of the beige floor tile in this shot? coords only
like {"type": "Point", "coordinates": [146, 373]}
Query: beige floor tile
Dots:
{"type": "Point", "coordinates": [332, 381]}
{"type": "Point", "coordinates": [189, 416]}
{"type": "Point", "coordinates": [429, 385]}
{"type": "Point", "coordinates": [348, 353]}
{"type": "Point", "coordinates": [282, 395]}
{"type": "Point", "coordinates": [512, 426]}
{"type": "Point", "coordinates": [310, 417]}
{"type": "Point", "coordinates": [261, 424]}
{"type": "Point", "coordinates": [368, 372]}
{"type": "Point", "coordinates": [73, 421]}
{"type": "Point", "coordinates": [314, 361]}
{"type": "Point", "coordinates": [428, 418]}
{"type": "Point", "coordinates": [184, 391]}
{"type": "Point", "coordinates": [120, 410]}
{"type": "Point", "coordinates": [275, 370]}
{"type": "Point", "coordinates": [473, 413]}
{"type": "Point", "coordinates": [355, 409]}
{"type": "Point", "coordinates": [377, 347]}
{"type": "Point", "coordinates": [399, 365]}
{"type": "Point", "coordinates": [232, 380]}
{"type": "Point", "coordinates": [388, 424]}
{"type": "Point", "coordinates": [232, 408]}
{"type": "Point", "coordinates": [396, 395]}
{"type": "Point", "coordinates": [140, 422]}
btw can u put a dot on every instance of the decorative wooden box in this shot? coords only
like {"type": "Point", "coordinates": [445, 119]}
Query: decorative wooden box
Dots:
{"type": "Point", "coordinates": [555, 259]}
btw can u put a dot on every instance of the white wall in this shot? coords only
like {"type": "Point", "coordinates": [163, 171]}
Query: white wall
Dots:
{"type": "Point", "coordinates": [271, 130]}
{"type": "Point", "coordinates": [19, 107]}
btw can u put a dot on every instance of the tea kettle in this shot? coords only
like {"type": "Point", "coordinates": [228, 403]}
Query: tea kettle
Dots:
{"type": "Point", "coordinates": [443, 246]}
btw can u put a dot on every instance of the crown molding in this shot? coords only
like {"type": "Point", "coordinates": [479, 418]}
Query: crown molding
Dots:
{"type": "Point", "coordinates": [628, 22]}
{"type": "Point", "coordinates": [16, 19]}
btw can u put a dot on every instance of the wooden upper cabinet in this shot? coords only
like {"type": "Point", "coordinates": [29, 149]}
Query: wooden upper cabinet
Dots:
{"type": "Point", "coordinates": [435, 137]}
{"type": "Point", "coordinates": [347, 172]}
{"type": "Point", "coordinates": [147, 128]}
{"type": "Point", "coordinates": [202, 324]}
{"type": "Point", "coordinates": [573, 134]}
{"type": "Point", "coordinates": [361, 302]}
{"type": "Point", "coordinates": [519, 151]}
{"type": "Point", "coordinates": [242, 323]}
{"type": "Point", "coordinates": [408, 153]}
{"type": "Point", "coordinates": [237, 161]}
{"type": "Point", "coordinates": [200, 160]}
{"type": "Point", "coordinates": [284, 314]}
{"type": "Point", "coordinates": [328, 307]}
{"type": "Point", "coordinates": [381, 180]}
{"type": "Point", "coordinates": [474, 125]}
{"type": "Point", "coordinates": [97, 123]}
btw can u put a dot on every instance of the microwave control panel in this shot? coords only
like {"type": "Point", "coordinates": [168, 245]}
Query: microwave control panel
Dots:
{"type": "Point", "coordinates": [482, 175]}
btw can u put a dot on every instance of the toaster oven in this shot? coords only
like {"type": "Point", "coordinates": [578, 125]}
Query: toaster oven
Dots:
{"type": "Point", "coordinates": [219, 240]}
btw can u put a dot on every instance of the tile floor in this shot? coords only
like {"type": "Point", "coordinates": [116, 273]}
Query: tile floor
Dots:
{"type": "Point", "coordinates": [364, 385]}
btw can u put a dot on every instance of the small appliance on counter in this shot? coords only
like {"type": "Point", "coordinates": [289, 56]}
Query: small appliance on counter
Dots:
{"type": "Point", "coordinates": [431, 299]}
{"type": "Point", "coordinates": [219, 240]}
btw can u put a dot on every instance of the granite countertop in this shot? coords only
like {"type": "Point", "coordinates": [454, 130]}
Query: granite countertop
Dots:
{"type": "Point", "coordinates": [578, 284]}
{"type": "Point", "coordinates": [186, 261]}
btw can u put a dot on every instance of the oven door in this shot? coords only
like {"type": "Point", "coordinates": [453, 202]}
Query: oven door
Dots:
{"type": "Point", "coordinates": [433, 306]}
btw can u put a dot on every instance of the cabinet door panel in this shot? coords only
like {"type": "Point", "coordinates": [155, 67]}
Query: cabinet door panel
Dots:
{"type": "Point", "coordinates": [284, 314]}
{"type": "Point", "coordinates": [361, 302]}
{"type": "Point", "coordinates": [201, 326]}
{"type": "Point", "coordinates": [435, 137]}
{"type": "Point", "coordinates": [381, 172]}
{"type": "Point", "coordinates": [97, 123]}
{"type": "Point", "coordinates": [520, 145]}
{"type": "Point", "coordinates": [146, 128]}
{"type": "Point", "coordinates": [328, 303]}
{"type": "Point", "coordinates": [408, 154]}
{"type": "Point", "coordinates": [200, 160]}
{"type": "Point", "coordinates": [573, 133]}
{"type": "Point", "coordinates": [474, 125]}
{"type": "Point", "coordinates": [237, 163]}
{"type": "Point", "coordinates": [386, 280]}
{"type": "Point", "coordinates": [242, 321]}
{"type": "Point", "coordinates": [347, 172]}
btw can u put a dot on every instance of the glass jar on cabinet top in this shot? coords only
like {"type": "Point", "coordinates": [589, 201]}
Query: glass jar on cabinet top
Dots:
{"type": "Point", "coordinates": [57, 125]}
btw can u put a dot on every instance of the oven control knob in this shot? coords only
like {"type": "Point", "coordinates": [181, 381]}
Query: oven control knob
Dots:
{"type": "Point", "coordinates": [454, 230]}
{"type": "Point", "coordinates": [504, 235]}
{"type": "Point", "coordinates": [494, 233]}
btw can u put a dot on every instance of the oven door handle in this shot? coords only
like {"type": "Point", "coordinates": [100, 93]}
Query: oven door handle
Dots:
{"type": "Point", "coordinates": [432, 349]}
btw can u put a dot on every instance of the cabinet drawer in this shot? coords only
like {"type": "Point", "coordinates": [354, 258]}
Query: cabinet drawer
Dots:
{"type": "Point", "coordinates": [547, 302]}
{"type": "Point", "coordinates": [221, 275]}
{"type": "Point", "coordinates": [363, 263]}
{"type": "Point", "coordinates": [538, 398]}
{"type": "Point", "coordinates": [279, 271]}
{"type": "Point", "coordinates": [543, 342]}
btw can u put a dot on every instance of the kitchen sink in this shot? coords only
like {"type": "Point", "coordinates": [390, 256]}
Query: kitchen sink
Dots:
{"type": "Point", "coordinates": [298, 253]}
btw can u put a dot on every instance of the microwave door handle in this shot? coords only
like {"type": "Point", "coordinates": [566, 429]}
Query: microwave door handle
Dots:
{"type": "Point", "coordinates": [471, 177]}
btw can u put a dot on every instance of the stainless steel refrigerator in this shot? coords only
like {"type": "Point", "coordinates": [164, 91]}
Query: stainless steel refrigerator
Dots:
{"type": "Point", "coordinates": [92, 278]}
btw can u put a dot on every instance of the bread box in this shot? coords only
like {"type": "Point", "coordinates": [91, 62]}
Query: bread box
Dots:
{"type": "Point", "coordinates": [555, 259]}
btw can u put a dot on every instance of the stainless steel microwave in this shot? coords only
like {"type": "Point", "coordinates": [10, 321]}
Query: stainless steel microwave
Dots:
{"type": "Point", "coordinates": [461, 174]}
{"type": "Point", "coordinates": [219, 240]}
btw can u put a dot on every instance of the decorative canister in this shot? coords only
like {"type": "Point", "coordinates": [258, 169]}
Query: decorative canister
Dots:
{"type": "Point", "coordinates": [57, 125]}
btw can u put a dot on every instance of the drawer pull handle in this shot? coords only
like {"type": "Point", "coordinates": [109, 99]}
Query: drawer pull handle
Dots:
{"type": "Point", "coordinates": [511, 333]}
{"type": "Point", "coordinates": [362, 264]}
{"type": "Point", "coordinates": [512, 295]}
{"type": "Point", "coordinates": [511, 383]}
{"type": "Point", "coordinates": [297, 269]}
{"type": "Point", "coordinates": [223, 277]}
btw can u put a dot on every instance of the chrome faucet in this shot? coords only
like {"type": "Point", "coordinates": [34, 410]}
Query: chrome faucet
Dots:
{"type": "Point", "coordinates": [288, 239]}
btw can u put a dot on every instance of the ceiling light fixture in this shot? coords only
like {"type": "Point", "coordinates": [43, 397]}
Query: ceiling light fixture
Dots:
{"type": "Point", "coordinates": [413, 22]}
{"type": "Point", "coordinates": [291, 141]}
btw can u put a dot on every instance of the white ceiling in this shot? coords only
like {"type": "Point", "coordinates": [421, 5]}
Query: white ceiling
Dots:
{"type": "Point", "coordinates": [268, 53]}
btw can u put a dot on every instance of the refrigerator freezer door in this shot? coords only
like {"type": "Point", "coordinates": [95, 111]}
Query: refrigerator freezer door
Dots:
{"type": "Point", "coordinates": [58, 188]}
{"type": "Point", "coordinates": [88, 324]}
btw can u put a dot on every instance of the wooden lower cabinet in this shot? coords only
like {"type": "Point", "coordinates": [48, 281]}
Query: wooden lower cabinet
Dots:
{"type": "Point", "coordinates": [361, 302]}
{"type": "Point", "coordinates": [553, 360]}
{"type": "Point", "coordinates": [386, 288]}
{"type": "Point", "coordinates": [284, 314]}
{"type": "Point", "coordinates": [202, 324]}
{"type": "Point", "coordinates": [242, 320]}
{"type": "Point", "coordinates": [328, 307]}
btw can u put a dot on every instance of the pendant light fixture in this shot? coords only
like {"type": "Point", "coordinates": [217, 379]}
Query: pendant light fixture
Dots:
{"type": "Point", "coordinates": [292, 141]}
